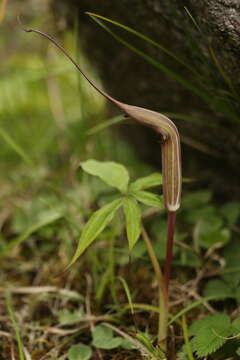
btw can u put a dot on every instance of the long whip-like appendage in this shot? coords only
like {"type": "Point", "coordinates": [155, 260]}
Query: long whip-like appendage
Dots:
{"type": "Point", "coordinates": [171, 152]}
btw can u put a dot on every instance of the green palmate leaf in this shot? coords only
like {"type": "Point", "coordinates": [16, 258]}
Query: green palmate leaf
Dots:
{"type": "Point", "coordinates": [148, 198]}
{"type": "Point", "coordinates": [147, 182]}
{"type": "Point", "coordinates": [210, 340]}
{"type": "Point", "coordinates": [208, 322]}
{"type": "Point", "coordinates": [210, 334]}
{"type": "Point", "coordinates": [103, 338]}
{"type": "Point", "coordinates": [111, 173]}
{"type": "Point", "coordinates": [132, 213]}
{"type": "Point", "coordinates": [95, 225]}
{"type": "Point", "coordinates": [79, 352]}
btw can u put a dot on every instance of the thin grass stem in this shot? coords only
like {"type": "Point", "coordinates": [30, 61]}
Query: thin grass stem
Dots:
{"type": "Point", "coordinates": [15, 325]}
{"type": "Point", "coordinates": [186, 338]}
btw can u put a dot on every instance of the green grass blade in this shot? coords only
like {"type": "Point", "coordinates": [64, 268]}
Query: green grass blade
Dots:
{"type": "Point", "coordinates": [105, 124]}
{"type": "Point", "coordinates": [15, 325]}
{"type": "Point", "coordinates": [128, 294]}
{"type": "Point", "coordinates": [149, 308]}
{"type": "Point", "coordinates": [192, 306]}
{"type": "Point", "coordinates": [144, 37]}
{"type": "Point", "coordinates": [105, 278]}
{"type": "Point", "coordinates": [186, 338]}
{"type": "Point", "coordinates": [192, 19]}
{"type": "Point", "coordinates": [170, 73]}
{"type": "Point", "coordinates": [145, 307]}
{"type": "Point", "coordinates": [188, 118]}
{"type": "Point", "coordinates": [32, 229]}
{"type": "Point", "coordinates": [15, 147]}
{"type": "Point", "coordinates": [223, 73]}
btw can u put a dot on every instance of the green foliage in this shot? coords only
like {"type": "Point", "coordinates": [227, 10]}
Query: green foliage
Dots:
{"type": "Point", "coordinates": [15, 325]}
{"type": "Point", "coordinates": [231, 273]}
{"type": "Point", "coordinates": [157, 64]}
{"type": "Point", "coordinates": [133, 220]}
{"type": "Point", "coordinates": [217, 98]}
{"type": "Point", "coordinates": [140, 35]}
{"type": "Point", "coordinates": [111, 173]}
{"type": "Point", "coordinates": [128, 294]}
{"type": "Point", "coordinates": [46, 208]}
{"type": "Point", "coordinates": [147, 341]}
{"type": "Point", "coordinates": [103, 338]}
{"type": "Point", "coordinates": [48, 218]}
{"type": "Point", "coordinates": [227, 286]}
{"type": "Point", "coordinates": [147, 182]}
{"type": "Point", "coordinates": [67, 317]}
{"type": "Point", "coordinates": [79, 352]}
{"type": "Point", "coordinates": [219, 289]}
{"type": "Point", "coordinates": [236, 326]}
{"type": "Point", "coordinates": [211, 333]}
{"type": "Point", "coordinates": [95, 225]}
{"type": "Point", "coordinates": [207, 322]}
{"type": "Point", "coordinates": [15, 147]}
{"type": "Point", "coordinates": [148, 198]}
{"type": "Point", "coordinates": [208, 239]}
{"type": "Point", "coordinates": [116, 175]}
{"type": "Point", "coordinates": [158, 231]}
{"type": "Point", "coordinates": [195, 199]}
{"type": "Point", "coordinates": [231, 212]}
{"type": "Point", "coordinates": [211, 226]}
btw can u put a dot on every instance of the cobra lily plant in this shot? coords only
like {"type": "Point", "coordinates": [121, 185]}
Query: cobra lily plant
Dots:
{"type": "Point", "coordinates": [171, 171]}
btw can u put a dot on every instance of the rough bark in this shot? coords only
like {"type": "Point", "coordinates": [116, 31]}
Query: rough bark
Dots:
{"type": "Point", "coordinates": [213, 151]}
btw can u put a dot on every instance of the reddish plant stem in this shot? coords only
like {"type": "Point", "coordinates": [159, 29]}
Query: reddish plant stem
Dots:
{"type": "Point", "coordinates": [169, 255]}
